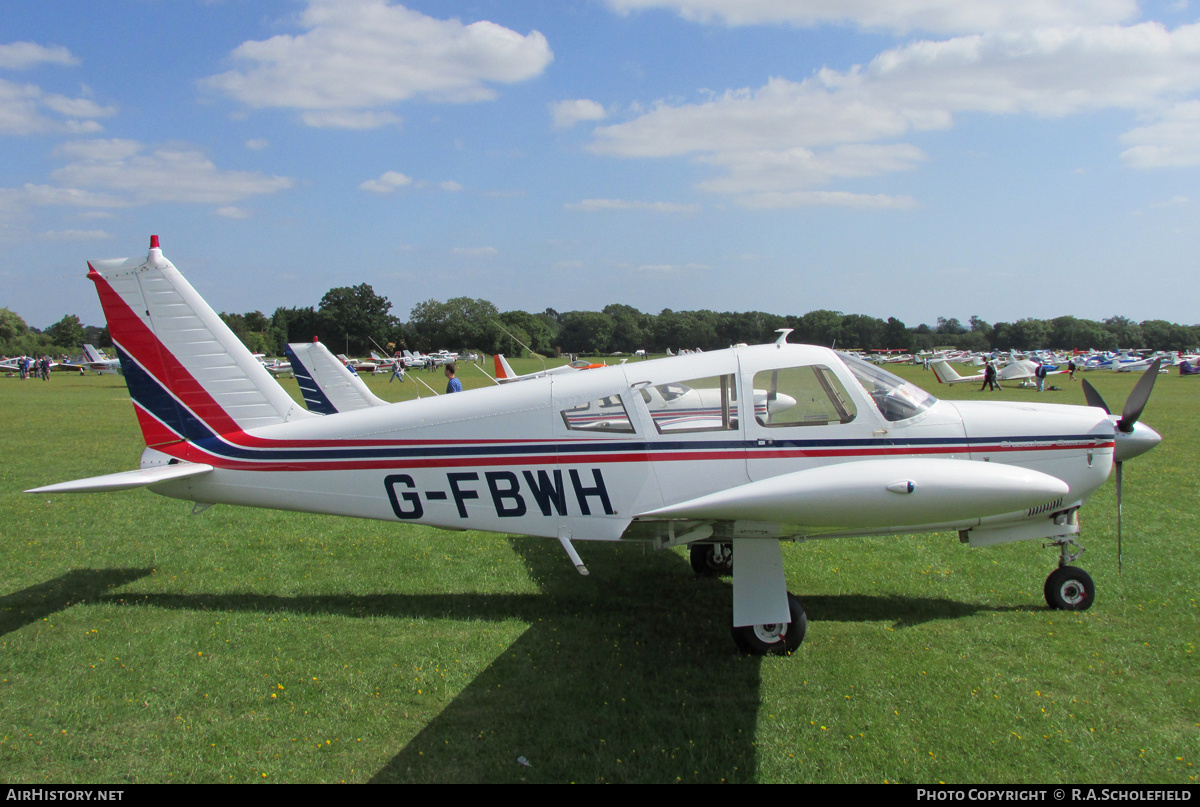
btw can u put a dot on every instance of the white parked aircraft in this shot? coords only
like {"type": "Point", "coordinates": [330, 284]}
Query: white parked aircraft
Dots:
{"type": "Point", "coordinates": [94, 360]}
{"type": "Point", "coordinates": [1021, 370]}
{"type": "Point", "coordinates": [505, 372]}
{"type": "Point", "coordinates": [586, 457]}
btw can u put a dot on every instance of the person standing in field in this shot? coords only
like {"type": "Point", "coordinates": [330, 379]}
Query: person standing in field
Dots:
{"type": "Point", "coordinates": [453, 385]}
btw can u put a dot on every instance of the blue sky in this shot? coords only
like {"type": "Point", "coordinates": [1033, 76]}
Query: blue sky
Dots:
{"type": "Point", "coordinates": [914, 158]}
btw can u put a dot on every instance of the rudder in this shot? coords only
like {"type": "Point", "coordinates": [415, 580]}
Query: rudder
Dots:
{"type": "Point", "coordinates": [189, 376]}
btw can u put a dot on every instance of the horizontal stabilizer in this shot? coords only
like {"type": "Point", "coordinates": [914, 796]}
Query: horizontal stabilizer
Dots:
{"type": "Point", "coordinates": [327, 386]}
{"type": "Point", "coordinates": [872, 494]}
{"type": "Point", "coordinates": [127, 479]}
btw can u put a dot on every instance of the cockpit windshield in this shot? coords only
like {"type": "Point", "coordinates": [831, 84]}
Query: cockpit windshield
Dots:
{"type": "Point", "coordinates": [896, 398]}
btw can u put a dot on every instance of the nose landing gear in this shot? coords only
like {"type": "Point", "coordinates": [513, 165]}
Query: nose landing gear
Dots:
{"type": "Point", "coordinates": [1069, 588]}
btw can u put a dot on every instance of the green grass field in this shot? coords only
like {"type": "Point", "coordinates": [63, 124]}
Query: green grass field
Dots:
{"type": "Point", "coordinates": [140, 642]}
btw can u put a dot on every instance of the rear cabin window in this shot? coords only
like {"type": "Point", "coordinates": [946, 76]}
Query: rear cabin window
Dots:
{"type": "Point", "coordinates": [604, 415]}
{"type": "Point", "coordinates": [801, 396]}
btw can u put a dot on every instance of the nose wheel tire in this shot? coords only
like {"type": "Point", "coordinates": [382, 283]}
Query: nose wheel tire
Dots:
{"type": "Point", "coordinates": [1069, 588]}
{"type": "Point", "coordinates": [778, 639]}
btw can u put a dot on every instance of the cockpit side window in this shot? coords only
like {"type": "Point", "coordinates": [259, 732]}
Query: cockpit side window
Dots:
{"type": "Point", "coordinates": [810, 395]}
{"type": "Point", "coordinates": [896, 398]}
{"type": "Point", "coordinates": [695, 405]}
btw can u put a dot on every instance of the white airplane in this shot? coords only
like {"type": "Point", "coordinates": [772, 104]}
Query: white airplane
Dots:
{"type": "Point", "coordinates": [93, 359]}
{"type": "Point", "coordinates": [13, 364]}
{"type": "Point", "coordinates": [383, 365]}
{"type": "Point", "coordinates": [414, 359]}
{"type": "Point", "coordinates": [1020, 370]}
{"type": "Point", "coordinates": [859, 452]}
{"type": "Point", "coordinates": [357, 365]}
{"type": "Point", "coordinates": [506, 374]}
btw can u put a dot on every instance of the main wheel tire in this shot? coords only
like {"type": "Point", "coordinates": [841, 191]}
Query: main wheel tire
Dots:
{"type": "Point", "coordinates": [711, 560]}
{"type": "Point", "coordinates": [1069, 588]}
{"type": "Point", "coordinates": [779, 639]}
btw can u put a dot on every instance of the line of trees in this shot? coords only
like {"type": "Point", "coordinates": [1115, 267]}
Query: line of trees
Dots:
{"type": "Point", "coordinates": [356, 320]}
{"type": "Point", "coordinates": [65, 336]}
{"type": "Point", "coordinates": [470, 323]}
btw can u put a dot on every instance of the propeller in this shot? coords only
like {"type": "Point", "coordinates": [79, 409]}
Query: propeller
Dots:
{"type": "Point", "coordinates": [1139, 441]}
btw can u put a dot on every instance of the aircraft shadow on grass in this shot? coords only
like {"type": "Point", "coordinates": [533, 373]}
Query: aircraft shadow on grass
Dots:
{"type": "Point", "coordinates": [78, 586]}
{"type": "Point", "coordinates": [626, 675]}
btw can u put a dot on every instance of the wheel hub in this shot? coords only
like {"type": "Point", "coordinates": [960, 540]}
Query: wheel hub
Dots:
{"type": "Point", "coordinates": [1073, 592]}
{"type": "Point", "coordinates": [771, 632]}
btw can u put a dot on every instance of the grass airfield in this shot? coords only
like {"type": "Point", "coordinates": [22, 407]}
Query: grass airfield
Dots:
{"type": "Point", "coordinates": [140, 642]}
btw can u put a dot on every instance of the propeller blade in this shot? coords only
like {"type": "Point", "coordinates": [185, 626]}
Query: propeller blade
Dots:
{"type": "Point", "coordinates": [1093, 398]}
{"type": "Point", "coordinates": [1138, 398]}
{"type": "Point", "coordinates": [1119, 464]}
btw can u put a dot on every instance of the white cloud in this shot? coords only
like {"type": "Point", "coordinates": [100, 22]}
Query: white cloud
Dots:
{"type": "Point", "coordinates": [668, 268]}
{"type": "Point", "coordinates": [388, 182]}
{"type": "Point", "coordinates": [827, 199]}
{"type": "Point", "coordinates": [777, 141]}
{"type": "Point", "coordinates": [257, 144]}
{"type": "Point", "coordinates": [593, 205]}
{"type": "Point", "coordinates": [23, 109]}
{"type": "Point", "coordinates": [16, 203]}
{"type": "Point", "coordinates": [30, 195]}
{"type": "Point", "coordinates": [113, 149]}
{"type": "Point", "coordinates": [940, 16]}
{"type": "Point", "coordinates": [78, 107]}
{"type": "Point", "coordinates": [1173, 142]}
{"type": "Point", "coordinates": [450, 186]}
{"type": "Point", "coordinates": [475, 252]}
{"type": "Point", "coordinates": [566, 114]}
{"type": "Point", "coordinates": [800, 167]}
{"type": "Point", "coordinates": [137, 175]}
{"type": "Point", "coordinates": [231, 212]}
{"type": "Point", "coordinates": [358, 56]}
{"type": "Point", "coordinates": [76, 235]}
{"type": "Point", "coordinates": [349, 119]}
{"type": "Point", "coordinates": [23, 55]}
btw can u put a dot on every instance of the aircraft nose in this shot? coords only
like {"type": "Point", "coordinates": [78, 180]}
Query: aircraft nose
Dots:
{"type": "Point", "coordinates": [1135, 443]}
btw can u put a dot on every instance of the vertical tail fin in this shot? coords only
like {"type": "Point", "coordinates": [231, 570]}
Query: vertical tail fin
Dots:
{"type": "Point", "coordinates": [189, 376]}
{"type": "Point", "coordinates": [503, 371]}
{"type": "Point", "coordinates": [944, 373]}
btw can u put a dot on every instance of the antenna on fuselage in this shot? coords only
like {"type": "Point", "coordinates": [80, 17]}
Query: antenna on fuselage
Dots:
{"type": "Point", "coordinates": [496, 322]}
{"type": "Point", "coordinates": [783, 335]}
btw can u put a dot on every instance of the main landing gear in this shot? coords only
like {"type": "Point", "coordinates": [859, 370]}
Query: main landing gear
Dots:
{"type": "Point", "coordinates": [1069, 588]}
{"type": "Point", "coordinates": [774, 639]}
{"type": "Point", "coordinates": [758, 593]}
